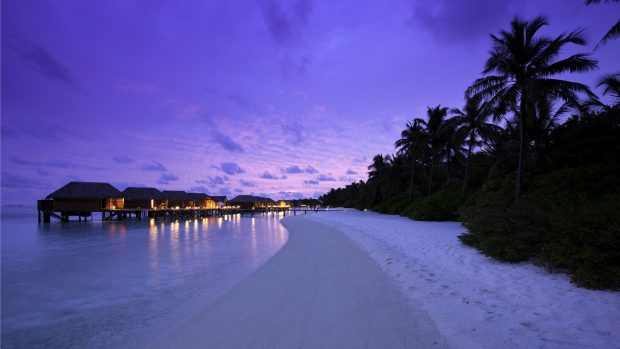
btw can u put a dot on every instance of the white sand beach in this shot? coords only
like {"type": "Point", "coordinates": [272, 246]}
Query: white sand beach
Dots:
{"type": "Point", "coordinates": [319, 291]}
{"type": "Point", "coordinates": [475, 301]}
{"type": "Point", "coordinates": [353, 279]}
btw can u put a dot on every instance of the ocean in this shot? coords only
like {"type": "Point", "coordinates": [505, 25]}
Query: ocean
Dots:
{"type": "Point", "coordinates": [119, 284]}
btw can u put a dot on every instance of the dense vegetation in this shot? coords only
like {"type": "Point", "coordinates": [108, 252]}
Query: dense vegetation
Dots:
{"type": "Point", "coordinates": [526, 185]}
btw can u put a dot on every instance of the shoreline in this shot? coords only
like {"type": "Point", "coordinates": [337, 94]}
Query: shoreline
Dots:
{"type": "Point", "coordinates": [319, 290]}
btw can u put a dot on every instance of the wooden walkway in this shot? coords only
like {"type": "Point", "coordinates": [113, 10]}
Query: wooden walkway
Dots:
{"type": "Point", "coordinates": [45, 215]}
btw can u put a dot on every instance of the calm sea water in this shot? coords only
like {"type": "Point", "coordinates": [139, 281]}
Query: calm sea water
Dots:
{"type": "Point", "coordinates": [119, 284]}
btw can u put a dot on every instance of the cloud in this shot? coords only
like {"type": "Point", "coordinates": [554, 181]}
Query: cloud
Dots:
{"type": "Point", "coordinates": [43, 61]}
{"type": "Point", "coordinates": [239, 100]}
{"type": "Point", "coordinates": [199, 189]}
{"type": "Point", "coordinates": [42, 172]}
{"type": "Point", "coordinates": [123, 160]}
{"type": "Point", "coordinates": [311, 182]}
{"type": "Point", "coordinates": [311, 170]}
{"type": "Point", "coordinates": [267, 175]}
{"type": "Point", "coordinates": [294, 169]}
{"type": "Point", "coordinates": [227, 142]}
{"type": "Point", "coordinates": [294, 132]}
{"type": "Point", "coordinates": [213, 181]}
{"type": "Point", "coordinates": [152, 166]}
{"type": "Point", "coordinates": [291, 195]}
{"type": "Point", "coordinates": [457, 20]}
{"type": "Point", "coordinates": [238, 190]}
{"type": "Point", "coordinates": [166, 178]}
{"type": "Point", "coordinates": [285, 25]}
{"type": "Point", "coordinates": [247, 183]}
{"type": "Point", "coordinates": [351, 172]}
{"type": "Point", "coordinates": [10, 180]}
{"type": "Point", "coordinates": [325, 178]}
{"type": "Point", "coordinates": [231, 168]}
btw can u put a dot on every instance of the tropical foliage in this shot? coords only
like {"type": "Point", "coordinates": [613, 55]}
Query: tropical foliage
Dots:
{"type": "Point", "coordinates": [529, 164]}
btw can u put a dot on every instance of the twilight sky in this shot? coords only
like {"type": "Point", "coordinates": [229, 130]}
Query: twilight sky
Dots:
{"type": "Point", "coordinates": [278, 98]}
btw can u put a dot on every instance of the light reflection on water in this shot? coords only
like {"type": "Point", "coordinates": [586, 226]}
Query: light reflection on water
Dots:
{"type": "Point", "coordinates": [109, 284]}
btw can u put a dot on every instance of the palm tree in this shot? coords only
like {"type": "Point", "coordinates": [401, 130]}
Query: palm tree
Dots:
{"type": "Point", "coordinates": [524, 66]}
{"type": "Point", "coordinates": [472, 122]}
{"type": "Point", "coordinates": [611, 84]}
{"type": "Point", "coordinates": [377, 173]}
{"type": "Point", "coordinates": [434, 131]}
{"type": "Point", "coordinates": [614, 32]}
{"type": "Point", "coordinates": [411, 142]}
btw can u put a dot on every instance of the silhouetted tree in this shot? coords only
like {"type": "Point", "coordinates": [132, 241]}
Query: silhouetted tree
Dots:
{"type": "Point", "coordinates": [524, 65]}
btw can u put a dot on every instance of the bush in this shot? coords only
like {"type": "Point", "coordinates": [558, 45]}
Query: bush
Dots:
{"type": "Point", "coordinates": [390, 206]}
{"type": "Point", "coordinates": [568, 220]}
{"type": "Point", "coordinates": [442, 205]}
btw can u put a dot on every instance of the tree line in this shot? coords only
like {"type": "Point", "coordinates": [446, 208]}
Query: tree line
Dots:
{"type": "Point", "coordinates": [507, 156]}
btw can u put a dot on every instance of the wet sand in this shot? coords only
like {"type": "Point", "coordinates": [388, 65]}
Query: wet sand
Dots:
{"type": "Point", "coordinates": [319, 291]}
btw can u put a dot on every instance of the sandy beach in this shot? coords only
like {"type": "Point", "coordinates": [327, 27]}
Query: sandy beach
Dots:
{"type": "Point", "coordinates": [320, 291]}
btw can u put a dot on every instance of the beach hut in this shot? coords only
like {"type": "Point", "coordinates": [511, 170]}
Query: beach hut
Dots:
{"type": "Point", "coordinates": [75, 197]}
{"type": "Point", "coordinates": [220, 201]}
{"type": "Point", "coordinates": [251, 202]}
{"type": "Point", "coordinates": [177, 198]}
{"type": "Point", "coordinates": [141, 198]}
{"type": "Point", "coordinates": [201, 200]}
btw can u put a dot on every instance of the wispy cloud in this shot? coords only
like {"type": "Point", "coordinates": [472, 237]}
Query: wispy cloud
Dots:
{"type": "Point", "coordinates": [246, 183]}
{"type": "Point", "coordinates": [325, 178]}
{"type": "Point", "coordinates": [351, 172]}
{"type": "Point", "coordinates": [213, 181]}
{"type": "Point", "coordinates": [227, 142]}
{"type": "Point", "coordinates": [166, 178]}
{"type": "Point", "coordinates": [286, 24]}
{"type": "Point", "coordinates": [268, 175]}
{"type": "Point", "coordinates": [311, 182]}
{"type": "Point", "coordinates": [123, 160]}
{"type": "Point", "coordinates": [44, 62]}
{"type": "Point", "coordinates": [294, 169]}
{"type": "Point", "coordinates": [231, 168]}
{"type": "Point", "coordinates": [152, 166]}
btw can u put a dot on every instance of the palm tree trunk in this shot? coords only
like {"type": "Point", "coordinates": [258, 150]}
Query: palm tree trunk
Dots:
{"type": "Point", "coordinates": [522, 118]}
{"type": "Point", "coordinates": [412, 177]}
{"type": "Point", "coordinates": [471, 145]}
{"type": "Point", "coordinates": [430, 182]}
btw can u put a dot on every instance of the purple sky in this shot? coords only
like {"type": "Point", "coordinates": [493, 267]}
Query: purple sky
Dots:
{"type": "Point", "coordinates": [281, 98]}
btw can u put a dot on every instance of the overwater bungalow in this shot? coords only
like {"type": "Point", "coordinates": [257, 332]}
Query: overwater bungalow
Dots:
{"type": "Point", "coordinates": [79, 198]}
{"type": "Point", "coordinates": [201, 200]}
{"type": "Point", "coordinates": [220, 201]}
{"type": "Point", "coordinates": [283, 203]}
{"type": "Point", "coordinates": [177, 198]}
{"type": "Point", "coordinates": [251, 202]}
{"type": "Point", "coordinates": [140, 198]}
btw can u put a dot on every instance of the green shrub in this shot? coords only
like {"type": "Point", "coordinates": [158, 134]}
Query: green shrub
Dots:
{"type": "Point", "coordinates": [442, 205]}
{"type": "Point", "coordinates": [568, 220]}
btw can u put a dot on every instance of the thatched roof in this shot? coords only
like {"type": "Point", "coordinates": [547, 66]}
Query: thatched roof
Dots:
{"type": "Point", "coordinates": [86, 190]}
{"type": "Point", "coordinates": [250, 198]}
{"type": "Point", "coordinates": [197, 196]}
{"type": "Point", "coordinates": [140, 193]}
{"type": "Point", "coordinates": [219, 198]}
{"type": "Point", "coordinates": [175, 195]}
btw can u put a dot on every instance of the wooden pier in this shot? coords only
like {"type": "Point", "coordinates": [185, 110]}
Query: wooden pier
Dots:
{"type": "Point", "coordinates": [46, 213]}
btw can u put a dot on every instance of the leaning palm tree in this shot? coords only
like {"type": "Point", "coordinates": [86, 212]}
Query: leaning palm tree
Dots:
{"type": "Point", "coordinates": [472, 122]}
{"type": "Point", "coordinates": [524, 64]}
{"type": "Point", "coordinates": [614, 32]}
{"type": "Point", "coordinates": [434, 130]}
{"type": "Point", "coordinates": [411, 143]}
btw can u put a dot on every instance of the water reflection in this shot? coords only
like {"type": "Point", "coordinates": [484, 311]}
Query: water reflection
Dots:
{"type": "Point", "coordinates": [66, 285]}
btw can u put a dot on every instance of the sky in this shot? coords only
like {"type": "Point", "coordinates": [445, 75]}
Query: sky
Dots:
{"type": "Point", "coordinates": [285, 99]}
